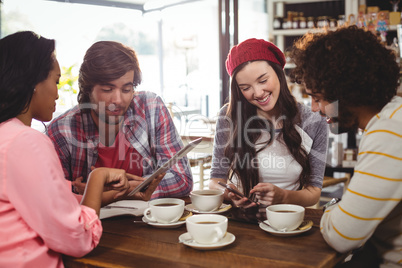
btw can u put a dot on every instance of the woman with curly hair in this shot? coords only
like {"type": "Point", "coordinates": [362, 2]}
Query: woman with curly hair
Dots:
{"type": "Point", "coordinates": [266, 143]}
{"type": "Point", "coordinates": [353, 81]}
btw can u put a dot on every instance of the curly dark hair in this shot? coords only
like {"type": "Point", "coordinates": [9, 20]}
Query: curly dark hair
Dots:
{"type": "Point", "coordinates": [248, 174]}
{"type": "Point", "coordinates": [106, 61]}
{"type": "Point", "coordinates": [350, 65]}
{"type": "Point", "coordinates": [26, 59]}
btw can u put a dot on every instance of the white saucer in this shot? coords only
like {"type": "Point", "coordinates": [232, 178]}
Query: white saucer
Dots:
{"type": "Point", "coordinates": [279, 233]}
{"type": "Point", "coordinates": [186, 240]}
{"type": "Point", "coordinates": [222, 208]}
{"type": "Point", "coordinates": [163, 225]}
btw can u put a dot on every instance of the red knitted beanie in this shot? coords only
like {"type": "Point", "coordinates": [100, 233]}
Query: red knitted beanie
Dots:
{"type": "Point", "coordinates": [253, 49]}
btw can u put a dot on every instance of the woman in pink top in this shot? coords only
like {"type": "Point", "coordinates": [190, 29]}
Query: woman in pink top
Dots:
{"type": "Point", "coordinates": [40, 218]}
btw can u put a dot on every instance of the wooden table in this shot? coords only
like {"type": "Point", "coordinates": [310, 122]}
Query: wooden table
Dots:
{"type": "Point", "coordinates": [128, 244]}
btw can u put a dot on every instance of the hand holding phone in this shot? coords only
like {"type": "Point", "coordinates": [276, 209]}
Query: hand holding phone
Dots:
{"type": "Point", "coordinates": [236, 192]}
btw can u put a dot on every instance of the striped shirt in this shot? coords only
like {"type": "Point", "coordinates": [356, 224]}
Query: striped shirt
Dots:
{"type": "Point", "coordinates": [370, 212]}
{"type": "Point", "coordinates": [148, 128]}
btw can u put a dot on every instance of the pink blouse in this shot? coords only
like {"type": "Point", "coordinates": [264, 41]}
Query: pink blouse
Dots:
{"type": "Point", "coordinates": [40, 218]}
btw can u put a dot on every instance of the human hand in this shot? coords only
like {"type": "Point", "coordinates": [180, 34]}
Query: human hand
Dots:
{"type": "Point", "coordinates": [117, 180]}
{"type": "Point", "coordinates": [134, 181]}
{"type": "Point", "coordinates": [151, 188]}
{"type": "Point", "coordinates": [268, 194]}
{"type": "Point", "coordinates": [239, 201]}
{"type": "Point", "coordinates": [79, 186]}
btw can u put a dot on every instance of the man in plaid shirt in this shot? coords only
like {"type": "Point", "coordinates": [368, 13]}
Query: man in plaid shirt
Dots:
{"type": "Point", "coordinates": [114, 126]}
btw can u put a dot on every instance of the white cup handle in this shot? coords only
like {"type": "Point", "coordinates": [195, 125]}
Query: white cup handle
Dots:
{"type": "Point", "coordinates": [219, 235]}
{"type": "Point", "coordinates": [149, 218]}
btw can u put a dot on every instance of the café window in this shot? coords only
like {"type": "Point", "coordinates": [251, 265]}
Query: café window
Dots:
{"type": "Point", "coordinates": [177, 46]}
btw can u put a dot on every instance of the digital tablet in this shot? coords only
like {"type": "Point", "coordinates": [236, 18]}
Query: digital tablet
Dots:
{"type": "Point", "coordinates": [165, 167]}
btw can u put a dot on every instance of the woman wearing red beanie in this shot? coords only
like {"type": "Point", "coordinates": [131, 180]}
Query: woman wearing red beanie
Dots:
{"type": "Point", "coordinates": [266, 144]}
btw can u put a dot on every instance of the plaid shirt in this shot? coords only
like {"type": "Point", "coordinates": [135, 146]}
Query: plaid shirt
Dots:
{"type": "Point", "coordinates": [147, 126]}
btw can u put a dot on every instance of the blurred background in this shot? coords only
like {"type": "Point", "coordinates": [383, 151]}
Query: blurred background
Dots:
{"type": "Point", "coordinates": [177, 42]}
{"type": "Point", "coordinates": [182, 47]}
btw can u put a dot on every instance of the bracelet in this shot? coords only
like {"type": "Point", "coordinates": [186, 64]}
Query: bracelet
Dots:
{"type": "Point", "coordinates": [331, 203]}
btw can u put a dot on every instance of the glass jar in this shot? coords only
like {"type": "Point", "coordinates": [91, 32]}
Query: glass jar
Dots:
{"type": "Point", "coordinates": [285, 24]}
{"type": "Point", "coordinates": [323, 22]}
{"type": "Point", "coordinates": [332, 23]}
{"type": "Point", "coordinates": [290, 16]}
{"type": "Point", "coordinates": [302, 23]}
{"type": "Point", "coordinates": [319, 22]}
{"type": "Point", "coordinates": [310, 22]}
{"type": "Point", "coordinates": [277, 23]}
{"type": "Point", "coordinates": [295, 23]}
{"type": "Point", "coordinates": [341, 20]}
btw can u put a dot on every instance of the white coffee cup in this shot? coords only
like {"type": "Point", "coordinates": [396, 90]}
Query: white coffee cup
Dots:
{"type": "Point", "coordinates": [207, 228]}
{"type": "Point", "coordinates": [164, 210]}
{"type": "Point", "coordinates": [285, 217]}
{"type": "Point", "coordinates": [206, 200]}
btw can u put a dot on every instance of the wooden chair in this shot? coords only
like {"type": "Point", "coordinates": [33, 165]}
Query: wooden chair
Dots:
{"type": "Point", "coordinates": [202, 161]}
{"type": "Point", "coordinates": [201, 156]}
{"type": "Point", "coordinates": [330, 181]}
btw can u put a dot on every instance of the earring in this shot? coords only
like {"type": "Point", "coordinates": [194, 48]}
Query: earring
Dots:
{"type": "Point", "coordinates": [34, 89]}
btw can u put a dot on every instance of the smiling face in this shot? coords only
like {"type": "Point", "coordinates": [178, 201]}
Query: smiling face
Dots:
{"type": "Point", "coordinates": [112, 99]}
{"type": "Point", "coordinates": [339, 121]}
{"type": "Point", "coordinates": [260, 86]}
{"type": "Point", "coordinates": [43, 102]}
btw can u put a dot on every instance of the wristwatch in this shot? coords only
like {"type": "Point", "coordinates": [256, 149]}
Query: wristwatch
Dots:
{"type": "Point", "coordinates": [331, 203]}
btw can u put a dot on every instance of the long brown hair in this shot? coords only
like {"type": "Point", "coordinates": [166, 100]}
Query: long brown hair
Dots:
{"type": "Point", "coordinates": [240, 149]}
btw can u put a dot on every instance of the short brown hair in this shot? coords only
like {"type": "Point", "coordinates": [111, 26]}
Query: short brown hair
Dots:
{"type": "Point", "coordinates": [106, 61]}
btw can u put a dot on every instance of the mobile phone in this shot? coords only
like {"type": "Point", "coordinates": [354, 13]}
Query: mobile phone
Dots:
{"type": "Point", "coordinates": [235, 191]}
{"type": "Point", "coordinates": [231, 189]}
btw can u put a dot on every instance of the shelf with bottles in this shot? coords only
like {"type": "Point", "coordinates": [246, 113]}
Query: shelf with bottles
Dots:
{"type": "Point", "coordinates": [297, 32]}
{"type": "Point", "coordinates": [296, 23]}
{"type": "Point", "coordinates": [278, 8]}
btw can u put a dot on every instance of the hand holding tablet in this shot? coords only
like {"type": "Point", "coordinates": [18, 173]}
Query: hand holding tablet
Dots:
{"type": "Point", "coordinates": [165, 167]}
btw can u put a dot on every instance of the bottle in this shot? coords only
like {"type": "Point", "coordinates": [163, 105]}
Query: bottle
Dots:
{"type": "Point", "coordinates": [324, 22]}
{"type": "Point", "coordinates": [341, 20]}
{"type": "Point", "coordinates": [290, 19]}
{"type": "Point", "coordinates": [295, 23]}
{"type": "Point", "coordinates": [277, 23]}
{"type": "Point", "coordinates": [332, 23]}
{"type": "Point", "coordinates": [310, 22]}
{"type": "Point", "coordinates": [285, 24]}
{"type": "Point", "coordinates": [302, 22]}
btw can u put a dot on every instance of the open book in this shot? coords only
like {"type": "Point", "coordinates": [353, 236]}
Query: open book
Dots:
{"type": "Point", "coordinates": [165, 167]}
{"type": "Point", "coordinates": [123, 207]}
